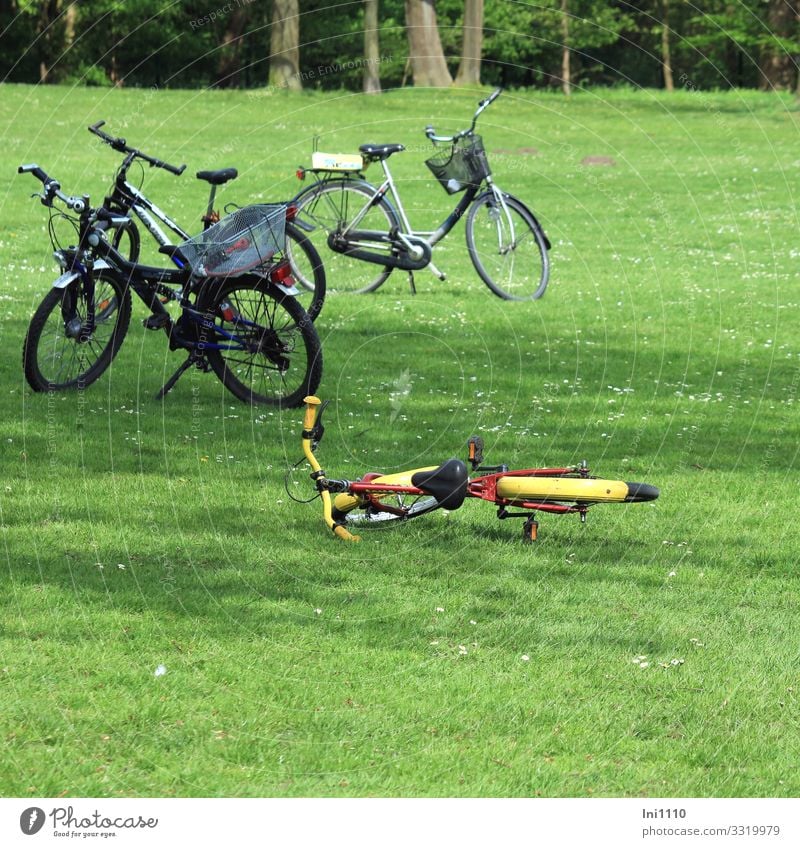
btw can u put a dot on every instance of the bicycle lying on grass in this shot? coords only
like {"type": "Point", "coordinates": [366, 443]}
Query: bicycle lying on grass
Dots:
{"type": "Point", "coordinates": [128, 199]}
{"type": "Point", "coordinates": [235, 318]}
{"type": "Point", "coordinates": [380, 499]}
{"type": "Point", "coordinates": [344, 212]}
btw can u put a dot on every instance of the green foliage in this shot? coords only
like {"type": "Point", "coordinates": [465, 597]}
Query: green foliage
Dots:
{"type": "Point", "coordinates": [183, 44]}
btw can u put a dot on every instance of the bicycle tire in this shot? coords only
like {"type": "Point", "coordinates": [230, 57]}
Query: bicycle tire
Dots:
{"type": "Point", "coordinates": [283, 362]}
{"type": "Point", "coordinates": [127, 241]}
{"type": "Point", "coordinates": [331, 205]}
{"type": "Point", "coordinates": [487, 227]}
{"type": "Point", "coordinates": [307, 270]}
{"type": "Point", "coordinates": [52, 359]}
{"type": "Point", "coordinates": [581, 490]}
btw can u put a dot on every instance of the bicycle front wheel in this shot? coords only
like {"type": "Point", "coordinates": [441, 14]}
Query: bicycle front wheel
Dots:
{"type": "Point", "coordinates": [62, 348]}
{"type": "Point", "coordinates": [507, 247]}
{"type": "Point", "coordinates": [331, 207]}
{"type": "Point", "coordinates": [307, 270]}
{"type": "Point", "coordinates": [263, 345]}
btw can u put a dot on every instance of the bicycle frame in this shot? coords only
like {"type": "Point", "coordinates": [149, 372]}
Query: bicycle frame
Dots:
{"type": "Point", "coordinates": [405, 233]}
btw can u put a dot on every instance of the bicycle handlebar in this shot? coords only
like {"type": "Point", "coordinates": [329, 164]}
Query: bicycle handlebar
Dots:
{"type": "Point", "coordinates": [52, 189]}
{"type": "Point", "coordinates": [309, 420]}
{"type": "Point", "coordinates": [121, 146]}
{"type": "Point", "coordinates": [430, 132]}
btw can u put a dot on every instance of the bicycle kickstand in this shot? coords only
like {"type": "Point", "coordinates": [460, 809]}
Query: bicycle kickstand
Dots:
{"type": "Point", "coordinates": [411, 282]}
{"type": "Point", "coordinates": [192, 359]}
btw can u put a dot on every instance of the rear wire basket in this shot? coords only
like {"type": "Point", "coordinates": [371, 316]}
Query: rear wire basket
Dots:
{"type": "Point", "coordinates": [464, 165]}
{"type": "Point", "coordinates": [241, 242]}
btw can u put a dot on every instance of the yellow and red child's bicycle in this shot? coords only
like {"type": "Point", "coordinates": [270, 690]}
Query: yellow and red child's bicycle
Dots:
{"type": "Point", "coordinates": [378, 499]}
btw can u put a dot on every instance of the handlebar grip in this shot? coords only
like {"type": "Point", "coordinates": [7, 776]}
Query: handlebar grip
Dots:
{"type": "Point", "coordinates": [341, 532]}
{"type": "Point", "coordinates": [35, 170]}
{"type": "Point", "coordinates": [104, 214]}
{"type": "Point", "coordinates": [311, 411]}
{"type": "Point", "coordinates": [172, 169]}
{"type": "Point", "coordinates": [491, 98]}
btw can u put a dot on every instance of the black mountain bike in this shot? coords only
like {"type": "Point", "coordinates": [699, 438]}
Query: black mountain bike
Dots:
{"type": "Point", "coordinates": [128, 199]}
{"type": "Point", "coordinates": [235, 319]}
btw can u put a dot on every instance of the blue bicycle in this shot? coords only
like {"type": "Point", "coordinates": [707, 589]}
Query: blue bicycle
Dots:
{"type": "Point", "coordinates": [235, 314]}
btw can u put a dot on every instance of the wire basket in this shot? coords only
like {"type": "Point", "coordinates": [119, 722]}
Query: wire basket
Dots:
{"type": "Point", "coordinates": [463, 166]}
{"type": "Point", "coordinates": [240, 242]}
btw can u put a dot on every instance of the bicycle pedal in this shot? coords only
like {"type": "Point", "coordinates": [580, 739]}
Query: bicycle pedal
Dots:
{"type": "Point", "coordinates": [475, 451]}
{"type": "Point", "coordinates": [160, 320]}
{"type": "Point", "coordinates": [530, 531]}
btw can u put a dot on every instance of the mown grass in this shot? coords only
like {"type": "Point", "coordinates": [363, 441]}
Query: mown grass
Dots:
{"type": "Point", "coordinates": [443, 658]}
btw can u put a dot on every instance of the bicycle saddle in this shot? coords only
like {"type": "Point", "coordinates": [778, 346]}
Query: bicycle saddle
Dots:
{"type": "Point", "coordinates": [218, 177]}
{"type": "Point", "coordinates": [377, 152]}
{"type": "Point", "coordinates": [447, 484]}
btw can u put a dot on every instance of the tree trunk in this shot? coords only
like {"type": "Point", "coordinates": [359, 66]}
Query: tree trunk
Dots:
{"type": "Point", "coordinates": [228, 66]}
{"type": "Point", "coordinates": [776, 65]}
{"type": "Point", "coordinates": [372, 51]}
{"type": "Point", "coordinates": [566, 74]}
{"type": "Point", "coordinates": [46, 29]}
{"type": "Point", "coordinates": [284, 60]}
{"type": "Point", "coordinates": [469, 71]}
{"type": "Point", "coordinates": [666, 59]}
{"type": "Point", "coordinates": [428, 64]}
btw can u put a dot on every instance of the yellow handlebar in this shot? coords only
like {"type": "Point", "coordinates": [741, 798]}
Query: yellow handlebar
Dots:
{"type": "Point", "coordinates": [309, 419]}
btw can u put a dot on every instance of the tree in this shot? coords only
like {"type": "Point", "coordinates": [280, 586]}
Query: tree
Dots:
{"type": "Point", "coordinates": [778, 69]}
{"type": "Point", "coordinates": [229, 64]}
{"type": "Point", "coordinates": [284, 48]}
{"type": "Point", "coordinates": [469, 71]}
{"type": "Point", "coordinates": [425, 52]}
{"type": "Point", "coordinates": [666, 59]}
{"type": "Point", "coordinates": [372, 57]}
{"type": "Point", "coordinates": [566, 73]}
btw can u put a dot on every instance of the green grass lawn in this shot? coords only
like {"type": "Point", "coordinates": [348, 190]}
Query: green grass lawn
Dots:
{"type": "Point", "coordinates": [651, 652]}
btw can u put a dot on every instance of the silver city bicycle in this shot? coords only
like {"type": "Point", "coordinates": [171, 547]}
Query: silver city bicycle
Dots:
{"type": "Point", "coordinates": [367, 226]}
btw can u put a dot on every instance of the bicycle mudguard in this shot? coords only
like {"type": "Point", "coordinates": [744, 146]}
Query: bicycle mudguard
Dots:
{"type": "Point", "coordinates": [545, 489]}
{"type": "Point", "coordinates": [70, 276]}
{"type": "Point", "coordinates": [527, 210]}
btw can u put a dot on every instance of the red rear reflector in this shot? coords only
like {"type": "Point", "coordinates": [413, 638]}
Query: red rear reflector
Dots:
{"type": "Point", "coordinates": [280, 274]}
{"type": "Point", "coordinates": [300, 173]}
{"type": "Point", "coordinates": [291, 213]}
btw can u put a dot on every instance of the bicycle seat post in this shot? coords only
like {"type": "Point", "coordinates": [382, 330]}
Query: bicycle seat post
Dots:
{"type": "Point", "coordinates": [210, 210]}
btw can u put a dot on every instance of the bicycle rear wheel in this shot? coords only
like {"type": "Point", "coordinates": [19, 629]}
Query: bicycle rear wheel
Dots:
{"type": "Point", "coordinates": [307, 270]}
{"type": "Point", "coordinates": [59, 353]}
{"type": "Point", "coordinates": [275, 356]}
{"type": "Point", "coordinates": [507, 248]}
{"type": "Point", "coordinates": [331, 207]}
{"type": "Point", "coordinates": [581, 490]}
